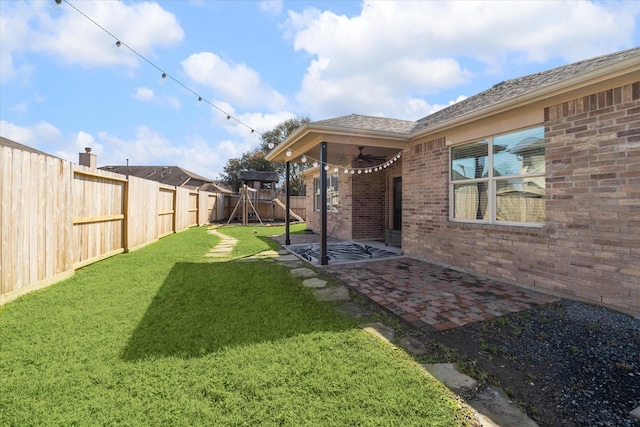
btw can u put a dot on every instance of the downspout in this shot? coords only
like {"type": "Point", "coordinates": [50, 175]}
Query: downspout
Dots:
{"type": "Point", "coordinates": [324, 260]}
{"type": "Point", "coordinates": [287, 202]}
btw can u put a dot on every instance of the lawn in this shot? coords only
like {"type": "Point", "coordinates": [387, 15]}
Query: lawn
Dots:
{"type": "Point", "coordinates": [166, 336]}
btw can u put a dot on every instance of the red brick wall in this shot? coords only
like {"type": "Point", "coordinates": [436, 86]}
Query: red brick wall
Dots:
{"type": "Point", "coordinates": [368, 205]}
{"type": "Point", "coordinates": [589, 248]}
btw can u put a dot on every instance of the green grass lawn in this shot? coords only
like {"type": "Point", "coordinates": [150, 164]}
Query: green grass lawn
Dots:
{"type": "Point", "coordinates": [163, 336]}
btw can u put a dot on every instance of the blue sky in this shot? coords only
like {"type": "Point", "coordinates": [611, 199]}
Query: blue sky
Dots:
{"type": "Point", "coordinates": [64, 85]}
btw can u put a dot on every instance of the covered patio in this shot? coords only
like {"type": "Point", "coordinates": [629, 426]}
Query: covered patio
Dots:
{"type": "Point", "coordinates": [361, 157]}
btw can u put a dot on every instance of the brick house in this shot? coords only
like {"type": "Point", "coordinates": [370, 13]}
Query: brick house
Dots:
{"type": "Point", "coordinates": [535, 181]}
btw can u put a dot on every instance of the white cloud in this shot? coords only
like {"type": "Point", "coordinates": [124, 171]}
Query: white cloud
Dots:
{"type": "Point", "coordinates": [147, 147]}
{"type": "Point", "coordinates": [38, 136]}
{"type": "Point", "coordinates": [273, 7]}
{"type": "Point", "coordinates": [70, 37]}
{"type": "Point", "coordinates": [144, 94]}
{"type": "Point", "coordinates": [381, 59]}
{"type": "Point", "coordinates": [236, 83]}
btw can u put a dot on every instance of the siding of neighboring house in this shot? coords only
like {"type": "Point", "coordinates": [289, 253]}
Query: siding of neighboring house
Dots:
{"type": "Point", "coordinates": [590, 245]}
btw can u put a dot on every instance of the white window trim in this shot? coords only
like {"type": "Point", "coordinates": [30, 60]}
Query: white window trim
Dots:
{"type": "Point", "coordinates": [491, 187]}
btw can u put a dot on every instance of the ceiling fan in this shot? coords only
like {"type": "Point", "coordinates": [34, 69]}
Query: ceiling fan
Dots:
{"type": "Point", "coordinates": [368, 158]}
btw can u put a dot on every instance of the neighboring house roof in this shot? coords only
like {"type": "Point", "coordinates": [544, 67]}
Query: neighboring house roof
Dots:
{"type": "Point", "coordinates": [212, 187]}
{"type": "Point", "coordinates": [168, 175]}
{"type": "Point", "coordinates": [356, 121]}
{"type": "Point", "coordinates": [513, 88]}
{"type": "Point", "coordinates": [262, 176]}
{"type": "Point", "coordinates": [5, 142]}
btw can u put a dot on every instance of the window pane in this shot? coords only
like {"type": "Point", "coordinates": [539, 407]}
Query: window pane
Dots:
{"type": "Point", "coordinates": [519, 153]}
{"type": "Point", "coordinates": [470, 201]}
{"type": "Point", "coordinates": [520, 200]}
{"type": "Point", "coordinates": [470, 161]}
{"type": "Point", "coordinates": [332, 193]}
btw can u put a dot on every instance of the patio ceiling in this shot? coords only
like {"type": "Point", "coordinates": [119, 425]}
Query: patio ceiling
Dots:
{"type": "Point", "coordinates": [342, 145]}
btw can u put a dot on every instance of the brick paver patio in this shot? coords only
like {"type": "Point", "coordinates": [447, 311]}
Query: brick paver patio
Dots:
{"type": "Point", "coordinates": [431, 297]}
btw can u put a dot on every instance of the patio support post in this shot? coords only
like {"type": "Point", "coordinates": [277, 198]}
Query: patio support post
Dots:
{"type": "Point", "coordinates": [324, 260]}
{"type": "Point", "coordinates": [287, 238]}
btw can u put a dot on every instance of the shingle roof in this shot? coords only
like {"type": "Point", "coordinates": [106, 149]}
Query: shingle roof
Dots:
{"type": "Point", "coordinates": [262, 176]}
{"type": "Point", "coordinates": [515, 87]}
{"type": "Point", "coordinates": [169, 175]}
{"type": "Point", "coordinates": [382, 124]}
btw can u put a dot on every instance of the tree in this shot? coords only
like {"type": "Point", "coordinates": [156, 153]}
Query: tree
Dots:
{"type": "Point", "coordinates": [275, 137]}
{"type": "Point", "coordinates": [250, 161]}
{"type": "Point", "coordinates": [255, 160]}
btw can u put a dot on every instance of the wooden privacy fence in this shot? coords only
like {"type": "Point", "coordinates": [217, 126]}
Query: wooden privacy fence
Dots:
{"type": "Point", "coordinates": [57, 216]}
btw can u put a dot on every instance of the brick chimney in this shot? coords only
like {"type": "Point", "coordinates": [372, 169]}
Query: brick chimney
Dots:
{"type": "Point", "coordinates": [88, 159]}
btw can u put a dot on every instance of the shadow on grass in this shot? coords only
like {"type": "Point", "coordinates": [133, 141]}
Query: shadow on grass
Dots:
{"type": "Point", "coordinates": [273, 245]}
{"type": "Point", "coordinates": [204, 307]}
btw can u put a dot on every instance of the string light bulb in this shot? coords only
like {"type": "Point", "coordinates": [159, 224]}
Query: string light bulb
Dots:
{"type": "Point", "coordinates": [303, 159]}
{"type": "Point", "coordinates": [326, 167]}
{"type": "Point", "coordinates": [288, 153]}
{"type": "Point", "coordinates": [315, 164]}
{"type": "Point", "coordinates": [164, 75]}
{"type": "Point", "coordinates": [271, 145]}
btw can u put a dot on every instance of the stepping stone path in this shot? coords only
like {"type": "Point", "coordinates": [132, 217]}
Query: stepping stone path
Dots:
{"type": "Point", "coordinates": [223, 249]}
{"type": "Point", "coordinates": [492, 406]}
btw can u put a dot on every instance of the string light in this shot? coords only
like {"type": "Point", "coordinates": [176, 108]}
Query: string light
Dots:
{"type": "Point", "coordinates": [120, 43]}
{"type": "Point", "coordinates": [271, 145]}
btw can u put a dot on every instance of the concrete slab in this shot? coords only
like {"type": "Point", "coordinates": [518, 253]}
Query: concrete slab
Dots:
{"type": "Point", "coordinates": [339, 293]}
{"type": "Point", "coordinates": [449, 375]}
{"type": "Point", "coordinates": [291, 264]}
{"type": "Point", "coordinates": [288, 257]}
{"type": "Point", "coordinates": [314, 282]}
{"type": "Point", "coordinates": [413, 345]}
{"type": "Point", "coordinates": [380, 330]}
{"type": "Point", "coordinates": [353, 310]}
{"type": "Point", "coordinates": [303, 273]}
{"type": "Point", "coordinates": [496, 410]}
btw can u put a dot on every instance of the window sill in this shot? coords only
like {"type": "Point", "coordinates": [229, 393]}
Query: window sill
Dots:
{"type": "Point", "coordinates": [531, 230]}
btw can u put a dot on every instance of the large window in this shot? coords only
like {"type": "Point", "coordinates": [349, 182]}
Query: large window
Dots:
{"type": "Point", "coordinates": [332, 193]}
{"type": "Point", "coordinates": [500, 179]}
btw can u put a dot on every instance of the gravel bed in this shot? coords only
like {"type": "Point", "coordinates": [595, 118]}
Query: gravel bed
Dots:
{"type": "Point", "coordinates": [566, 363]}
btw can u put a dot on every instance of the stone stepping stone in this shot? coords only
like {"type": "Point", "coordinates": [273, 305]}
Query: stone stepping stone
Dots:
{"type": "Point", "coordinates": [447, 374]}
{"type": "Point", "coordinates": [413, 345]}
{"type": "Point", "coordinates": [380, 330]}
{"type": "Point", "coordinates": [353, 310]}
{"type": "Point", "coordinates": [291, 264]}
{"type": "Point", "coordinates": [283, 258]}
{"type": "Point", "coordinates": [314, 282]}
{"type": "Point", "coordinates": [339, 293]}
{"type": "Point", "coordinates": [303, 273]}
